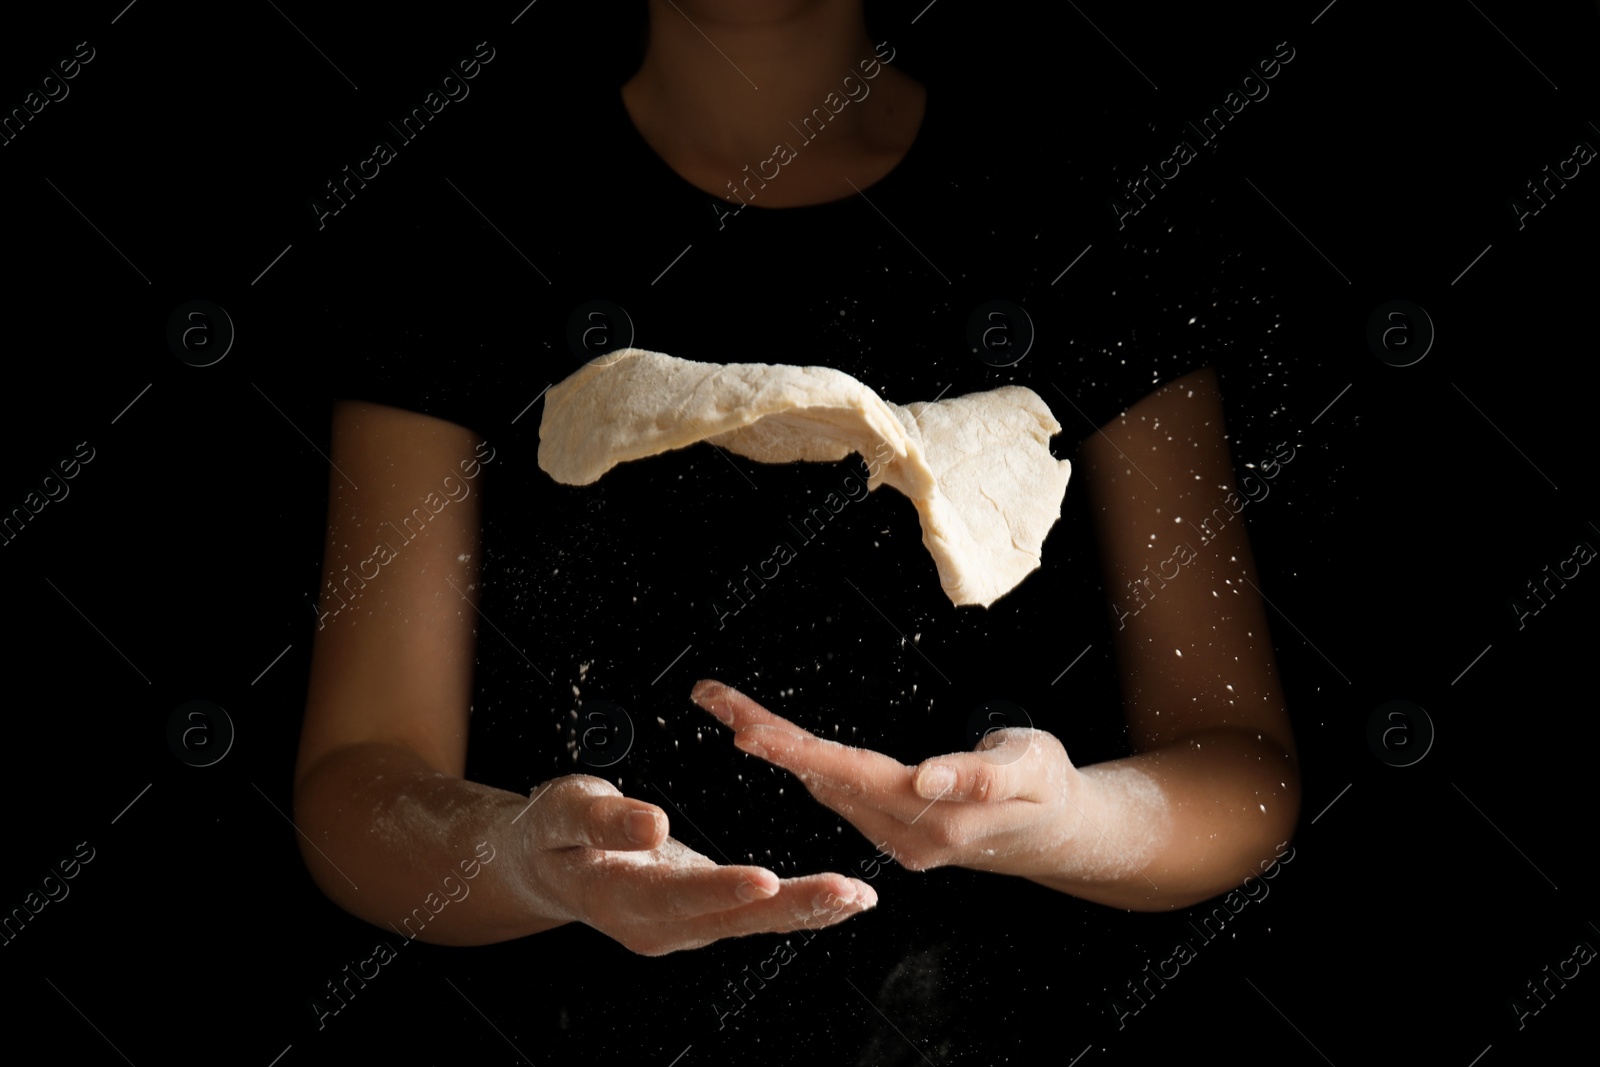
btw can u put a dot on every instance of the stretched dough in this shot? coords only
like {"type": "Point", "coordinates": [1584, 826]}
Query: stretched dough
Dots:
{"type": "Point", "coordinates": [978, 468]}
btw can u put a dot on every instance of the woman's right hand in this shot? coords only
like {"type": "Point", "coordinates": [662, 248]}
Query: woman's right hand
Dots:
{"type": "Point", "coordinates": [597, 857]}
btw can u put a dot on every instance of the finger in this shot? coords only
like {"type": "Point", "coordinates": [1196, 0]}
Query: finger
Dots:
{"type": "Point", "coordinates": [679, 883]}
{"type": "Point", "coordinates": [733, 708]}
{"type": "Point", "coordinates": [839, 768]}
{"type": "Point", "coordinates": [989, 776]}
{"type": "Point", "coordinates": [864, 787]}
{"type": "Point", "coordinates": [623, 824]}
{"type": "Point", "coordinates": [582, 812]}
{"type": "Point", "coordinates": [809, 903]}
{"type": "Point", "coordinates": [874, 813]}
{"type": "Point", "coordinates": [871, 775]}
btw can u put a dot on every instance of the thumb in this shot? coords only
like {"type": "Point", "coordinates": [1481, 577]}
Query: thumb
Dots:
{"type": "Point", "coordinates": [624, 825]}
{"type": "Point", "coordinates": [584, 818]}
{"type": "Point", "coordinates": [993, 774]}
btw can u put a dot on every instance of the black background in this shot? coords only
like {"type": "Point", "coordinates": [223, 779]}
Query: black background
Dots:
{"type": "Point", "coordinates": [184, 560]}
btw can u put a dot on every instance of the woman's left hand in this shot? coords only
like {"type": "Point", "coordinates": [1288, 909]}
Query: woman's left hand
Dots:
{"type": "Point", "coordinates": [1012, 806]}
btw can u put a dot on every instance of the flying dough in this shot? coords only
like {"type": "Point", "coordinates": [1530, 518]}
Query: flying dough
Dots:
{"type": "Point", "coordinates": [978, 468]}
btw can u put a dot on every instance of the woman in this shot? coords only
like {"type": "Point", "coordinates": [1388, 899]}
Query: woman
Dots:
{"type": "Point", "coordinates": [833, 252]}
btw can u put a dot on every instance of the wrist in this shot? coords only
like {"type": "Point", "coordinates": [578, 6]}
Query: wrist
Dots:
{"type": "Point", "coordinates": [1072, 831]}
{"type": "Point", "coordinates": [536, 873]}
{"type": "Point", "coordinates": [1111, 829]}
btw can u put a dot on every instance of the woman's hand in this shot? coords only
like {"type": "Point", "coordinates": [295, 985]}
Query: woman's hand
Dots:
{"type": "Point", "coordinates": [1011, 807]}
{"type": "Point", "coordinates": [605, 860]}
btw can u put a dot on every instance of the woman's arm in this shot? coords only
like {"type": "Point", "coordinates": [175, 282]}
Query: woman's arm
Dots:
{"type": "Point", "coordinates": [390, 830]}
{"type": "Point", "coordinates": [1213, 788]}
{"type": "Point", "coordinates": [1214, 785]}
{"type": "Point", "coordinates": [380, 801]}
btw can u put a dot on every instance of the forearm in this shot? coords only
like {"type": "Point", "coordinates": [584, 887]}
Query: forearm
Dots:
{"type": "Point", "coordinates": [396, 843]}
{"type": "Point", "coordinates": [1176, 824]}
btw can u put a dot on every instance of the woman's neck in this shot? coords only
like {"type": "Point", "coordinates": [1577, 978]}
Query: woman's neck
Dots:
{"type": "Point", "coordinates": [736, 95]}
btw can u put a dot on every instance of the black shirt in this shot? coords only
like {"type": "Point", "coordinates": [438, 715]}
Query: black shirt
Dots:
{"type": "Point", "coordinates": [620, 591]}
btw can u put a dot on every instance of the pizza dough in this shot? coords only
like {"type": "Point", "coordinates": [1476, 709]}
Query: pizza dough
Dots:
{"type": "Point", "coordinates": [978, 468]}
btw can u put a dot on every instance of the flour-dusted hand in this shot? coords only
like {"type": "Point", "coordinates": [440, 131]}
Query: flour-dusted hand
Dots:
{"type": "Point", "coordinates": [597, 857]}
{"type": "Point", "coordinates": [1013, 806]}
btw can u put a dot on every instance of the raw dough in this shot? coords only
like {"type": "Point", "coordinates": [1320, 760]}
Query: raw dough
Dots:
{"type": "Point", "coordinates": [977, 467]}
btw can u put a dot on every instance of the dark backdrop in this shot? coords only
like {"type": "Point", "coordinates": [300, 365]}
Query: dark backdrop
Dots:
{"type": "Point", "coordinates": [183, 561]}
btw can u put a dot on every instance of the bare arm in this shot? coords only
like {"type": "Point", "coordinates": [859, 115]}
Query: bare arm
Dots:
{"type": "Point", "coordinates": [390, 830]}
{"type": "Point", "coordinates": [1214, 785]}
{"type": "Point", "coordinates": [379, 793]}
{"type": "Point", "coordinates": [1213, 788]}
